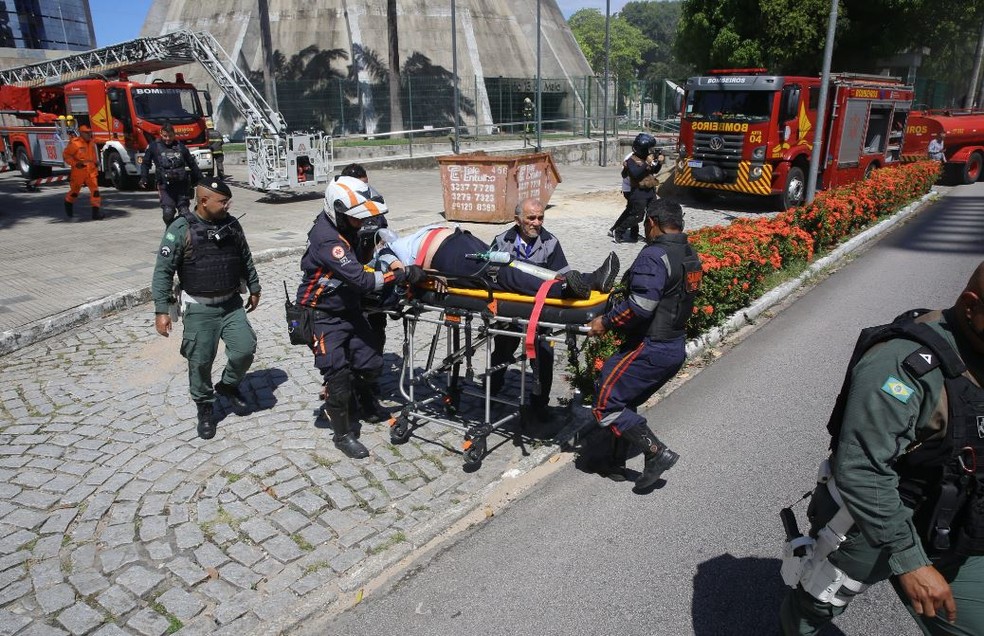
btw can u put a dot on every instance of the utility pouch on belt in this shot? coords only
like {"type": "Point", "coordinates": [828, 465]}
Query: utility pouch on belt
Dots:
{"type": "Point", "coordinates": [174, 303]}
{"type": "Point", "coordinates": [300, 321]}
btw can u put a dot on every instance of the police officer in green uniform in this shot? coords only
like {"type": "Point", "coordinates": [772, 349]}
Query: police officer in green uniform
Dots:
{"type": "Point", "coordinates": [209, 252]}
{"type": "Point", "coordinates": [908, 468]}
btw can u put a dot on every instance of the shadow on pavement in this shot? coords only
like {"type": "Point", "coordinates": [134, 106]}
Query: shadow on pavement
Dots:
{"type": "Point", "coordinates": [259, 388]}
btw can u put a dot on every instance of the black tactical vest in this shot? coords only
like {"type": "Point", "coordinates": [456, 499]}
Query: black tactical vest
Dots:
{"type": "Point", "coordinates": [172, 163]}
{"type": "Point", "coordinates": [942, 480]}
{"type": "Point", "coordinates": [677, 300]}
{"type": "Point", "coordinates": [212, 263]}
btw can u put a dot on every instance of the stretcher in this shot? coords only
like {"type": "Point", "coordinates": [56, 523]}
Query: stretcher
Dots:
{"type": "Point", "coordinates": [456, 361]}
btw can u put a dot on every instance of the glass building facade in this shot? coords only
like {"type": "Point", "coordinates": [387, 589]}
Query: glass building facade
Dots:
{"type": "Point", "coordinates": [46, 24]}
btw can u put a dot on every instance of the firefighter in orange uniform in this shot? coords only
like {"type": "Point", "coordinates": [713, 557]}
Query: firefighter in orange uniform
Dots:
{"type": "Point", "coordinates": [83, 157]}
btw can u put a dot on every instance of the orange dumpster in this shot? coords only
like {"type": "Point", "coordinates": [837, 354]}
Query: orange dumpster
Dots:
{"type": "Point", "coordinates": [483, 188]}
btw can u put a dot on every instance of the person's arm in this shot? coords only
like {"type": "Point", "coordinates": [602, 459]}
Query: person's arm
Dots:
{"type": "Point", "coordinates": [169, 257]}
{"type": "Point", "coordinates": [636, 168]}
{"type": "Point", "coordinates": [641, 298]}
{"type": "Point", "coordinates": [883, 411]}
{"type": "Point", "coordinates": [252, 277]}
{"type": "Point", "coordinates": [148, 159]}
{"type": "Point", "coordinates": [68, 155]}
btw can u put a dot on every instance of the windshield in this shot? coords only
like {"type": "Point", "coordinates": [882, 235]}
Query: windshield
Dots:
{"type": "Point", "coordinates": [176, 105]}
{"type": "Point", "coordinates": [730, 105]}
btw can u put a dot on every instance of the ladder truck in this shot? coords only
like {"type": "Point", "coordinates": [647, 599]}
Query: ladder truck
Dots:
{"type": "Point", "coordinates": [129, 115]}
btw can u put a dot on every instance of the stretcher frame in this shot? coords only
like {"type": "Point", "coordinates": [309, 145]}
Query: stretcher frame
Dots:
{"type": "Point", "coordinates": [433, 393]}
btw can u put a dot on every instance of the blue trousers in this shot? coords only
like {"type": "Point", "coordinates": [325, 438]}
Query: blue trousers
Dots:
{"type": "Point", "coordinates": [631, 376]}
{"type": "Point", "coordinates": [449, 259]}
{"type": "Point", "coordinates": [346, 344]}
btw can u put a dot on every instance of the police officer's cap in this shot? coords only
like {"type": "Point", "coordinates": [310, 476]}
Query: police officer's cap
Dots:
{"type": "Point", "coordinates": [666, 213]}
{"type": "Point", "coordinates": [215, 185]}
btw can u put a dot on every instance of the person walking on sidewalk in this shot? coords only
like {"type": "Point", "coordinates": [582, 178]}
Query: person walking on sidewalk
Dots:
{"type": "Point", "coordinates": [660, 287]}
{"type": "Point", "coordinates": [529, 241]}
{"type": "Point", "coordinates": [904, 484]}
{"type": "Point", "coordinates": [208, 251]}
{"type": "Point", "coordinates": [176, 170]}
{"type": "Point", "coordinates": [82, 156]}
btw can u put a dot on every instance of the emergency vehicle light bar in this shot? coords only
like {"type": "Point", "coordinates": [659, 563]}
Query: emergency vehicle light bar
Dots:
{"type": "Point", "coordinates": [737, 71]}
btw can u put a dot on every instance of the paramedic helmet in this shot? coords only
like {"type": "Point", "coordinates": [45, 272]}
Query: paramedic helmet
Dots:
{"type": "Point", "coordinates": [354, 198]}
{"type": "Point", "coordinates": [643, 144]}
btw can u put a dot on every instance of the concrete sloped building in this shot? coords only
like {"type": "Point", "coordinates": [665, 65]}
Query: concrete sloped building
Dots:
{"type": "Point", "coordinates": [496, 49]}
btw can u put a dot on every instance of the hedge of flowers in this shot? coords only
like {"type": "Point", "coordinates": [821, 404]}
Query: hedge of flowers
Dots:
{"type": "Point", "coordinates": [738, 258]}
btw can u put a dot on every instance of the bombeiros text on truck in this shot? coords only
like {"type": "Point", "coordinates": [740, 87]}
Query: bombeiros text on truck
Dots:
{"type": "Point", "coordinates": [746, 131]}
{"type": "Point", "coordinates": [963, 141]}
{"type": "Point", "coordinates": [47, 101]}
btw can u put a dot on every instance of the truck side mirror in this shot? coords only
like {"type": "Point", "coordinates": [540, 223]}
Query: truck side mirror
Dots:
{"type": "Point", "coordinates": [208, 103]}
{"type": "Point", "coordinates": [790, 102]}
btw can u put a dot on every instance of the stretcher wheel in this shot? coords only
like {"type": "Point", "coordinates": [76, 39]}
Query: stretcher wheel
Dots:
{"type": "Point", "coordinates": [474, 452]}
{"type": "Point", "coordinates": [400, 431]}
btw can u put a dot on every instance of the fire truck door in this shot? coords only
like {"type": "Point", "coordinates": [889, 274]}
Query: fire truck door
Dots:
{"type": "Point", "coordinates": [852, 133]}
{"type": "Point", "coordinates": [120, 111]}
{"type": "Point", "coordinates": [788, 114]}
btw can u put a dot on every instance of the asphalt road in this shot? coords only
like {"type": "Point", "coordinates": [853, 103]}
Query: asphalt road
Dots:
{"type": "Point", "coordinates": [582, 555]}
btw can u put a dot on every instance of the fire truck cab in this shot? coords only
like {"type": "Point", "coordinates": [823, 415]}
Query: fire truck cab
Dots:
{"type": "Point", "coordinates": [743, 130]}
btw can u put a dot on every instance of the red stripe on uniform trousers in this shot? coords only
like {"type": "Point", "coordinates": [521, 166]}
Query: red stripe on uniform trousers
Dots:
{"type": "Point", "coordinates": [606, 389]}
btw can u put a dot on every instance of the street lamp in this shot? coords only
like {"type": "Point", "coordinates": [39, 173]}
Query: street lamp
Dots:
{"type": "Point", "coordinates": [454, 73]}
{"type": "Point", "coordinates": [815, 156]}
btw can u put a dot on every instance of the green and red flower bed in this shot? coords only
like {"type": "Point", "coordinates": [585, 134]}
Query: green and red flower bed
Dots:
{"type": "Point", "coordinates": [739, 259]}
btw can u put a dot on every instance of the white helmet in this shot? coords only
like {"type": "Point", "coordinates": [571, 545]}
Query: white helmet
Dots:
{"type": "Point", "coordinates": [352, 197]}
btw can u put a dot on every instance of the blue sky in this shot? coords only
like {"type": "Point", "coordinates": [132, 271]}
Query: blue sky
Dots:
{"type": "Point", "coordinates": [117, 21]}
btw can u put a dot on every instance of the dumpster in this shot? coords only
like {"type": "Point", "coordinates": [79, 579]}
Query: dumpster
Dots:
{"type": "Point", "coordinates": [484, 188]}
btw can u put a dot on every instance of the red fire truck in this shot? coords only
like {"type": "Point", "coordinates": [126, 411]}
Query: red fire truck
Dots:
{"type": "Point", "coordinates": [743, 130]}
{"type": "Point", "coordinates": [124, 116]}
{"type": "Point", "coordinates": [963, 141]}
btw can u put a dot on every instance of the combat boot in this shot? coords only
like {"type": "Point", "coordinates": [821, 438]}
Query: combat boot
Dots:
{"type": "Point", "coordinates": [343, 438]}
{"type": "Point", "coordinates": [69, 209]}
{"type": "Point", "coordinates": [206, 421]}
{"type": "Point", "coordinates": [366, 390]}
{"type": "Point", "coordinates": [659, 458]}
{"type": "Point", "coordinates": [233, 394]}
{"type": "Point", "coordinates": [97, 215]}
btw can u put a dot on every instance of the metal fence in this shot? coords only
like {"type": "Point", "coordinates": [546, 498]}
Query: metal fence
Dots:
{"type": "Point", "coordinates": [344, 107]}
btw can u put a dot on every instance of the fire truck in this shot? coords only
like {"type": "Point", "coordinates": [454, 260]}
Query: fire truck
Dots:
{"type": "Point", "coordinates": [743, 130]}
{"type": "Point", "coordinates": [92, 87]}
{"type": "Point", "coordinates": [125, 117]}
{"type": "Point", "coordinates": [963, 141]}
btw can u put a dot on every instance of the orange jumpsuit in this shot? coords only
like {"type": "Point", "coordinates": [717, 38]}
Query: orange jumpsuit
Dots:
{"type": "Point", "coordinates": [79, 151]}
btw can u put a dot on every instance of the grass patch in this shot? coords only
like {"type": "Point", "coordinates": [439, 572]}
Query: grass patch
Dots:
{"type": "Point", "coordinates": [315, 567]}
{"type": "Point", "coordinates": [173, 622]}
{"type": "Point", "coordinates": [399, 537]}
{"type": "Point", "coordinates": [302, 543]}
{"type": "Point", "coordinates": [324, 461]}
{"type": "Point", "coordinates": [231, 477]}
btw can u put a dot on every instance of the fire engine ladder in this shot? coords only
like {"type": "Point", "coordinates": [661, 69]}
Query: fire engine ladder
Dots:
{"type": "Point", "coordinates": [147, 55]}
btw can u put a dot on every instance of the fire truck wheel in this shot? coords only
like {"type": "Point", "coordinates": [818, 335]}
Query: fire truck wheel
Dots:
{"type": "Point", "coordinates": [117, 173]}
{"type": "Point", "coordinates": [972, 169]}
{"type": "Point", "coordinates": [24, 164]}
{"type": "Point", "coordinates": [794, 192]}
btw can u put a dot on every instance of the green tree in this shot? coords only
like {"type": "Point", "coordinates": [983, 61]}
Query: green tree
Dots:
{"type": "Point", "coordinates": [627, 43]}
{"type": "Point", "coordinates": [658, 21]}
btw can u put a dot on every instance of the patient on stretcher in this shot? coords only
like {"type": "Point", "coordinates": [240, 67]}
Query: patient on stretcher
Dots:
{"type": "Point", "coordinates": [455, 253]}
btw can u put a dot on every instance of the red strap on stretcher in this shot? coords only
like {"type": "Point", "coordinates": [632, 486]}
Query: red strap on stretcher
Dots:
{"type": "Point", "coordinates": [422, 254]}
{"type": "Point", "coordinates": [541, 295]}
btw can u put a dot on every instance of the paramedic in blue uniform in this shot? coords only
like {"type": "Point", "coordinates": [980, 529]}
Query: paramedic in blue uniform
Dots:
{"type": "Point", "coordinates": [909, 454]}
{"type": "Point", "coordinates": [176, 171]}
{"type": "Point", "coordinates": [529, 241]}
{"type": "Point", "coordinates": [334, 283]}
{"type": "Point", "coordinates": [652, 320]}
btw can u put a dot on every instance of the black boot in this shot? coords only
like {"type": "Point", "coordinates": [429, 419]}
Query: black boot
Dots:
{"type": "Point", "coordinates": [206, 422]}
{"type": "Point", "coordinates": [97, 215]}
{"type": "Point", "coordinates": [344, 440]}
{"type": "Point", "coordinates": [69, 209]}
{"type": "Point", "coordinates": [603, 278]}
{"type": "Point", "coordinates": [366, 390]}
{"type": "Point", "coordinates": [577, 285]}
{"type": "Point", "coordinates": [233, 394]}
{"type": "Point", "coordinates": [659, 458]}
